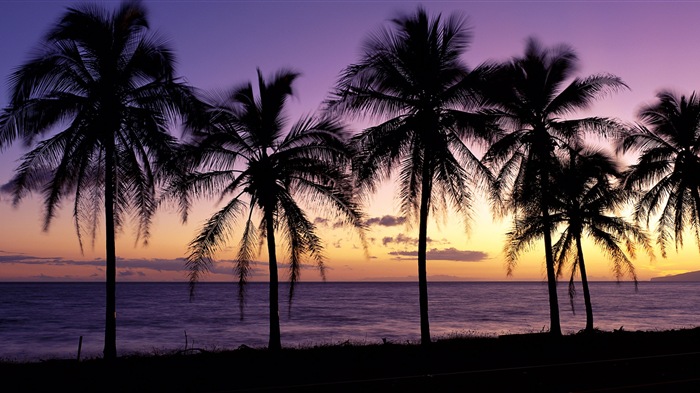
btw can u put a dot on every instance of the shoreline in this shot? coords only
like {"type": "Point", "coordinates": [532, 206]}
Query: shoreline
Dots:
{"type": "Point", "coordinates": [664, 360]}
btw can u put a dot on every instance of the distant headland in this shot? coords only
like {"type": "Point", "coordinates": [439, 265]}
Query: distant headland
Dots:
{"type": "Point", "coordinates": [690, 276]}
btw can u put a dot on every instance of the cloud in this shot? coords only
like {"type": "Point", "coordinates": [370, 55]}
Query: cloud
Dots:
{"type": "Point", "coordinates": [258, 267]}
{"type": "Point", "coordinates": [402, 239]}
{"type": "Point", "coordinates": [321, 221]}
{"type": "Point", "coordinates": [326, 223]}
{"type": "Point", "coordinates": [135, 267]}
{"type": "Point", "coordinates": [447, 254]}
{"type": "Point", "coordinates": [177, 264]}
{"type": "Point", "coordinates": [43, 276]}
{"type": "Point", "coordinates": [339, 224]}
{"type": "Point", "coordinates": [155, 264]}
{"type": "Point", "coordinates": [386, 221]}
{"type": "Point", "coordinates": [95, 277]}
{"type": "Point", "coordinates": [30, 260]}
{"type": "Point", "coordinates": [131, 273]}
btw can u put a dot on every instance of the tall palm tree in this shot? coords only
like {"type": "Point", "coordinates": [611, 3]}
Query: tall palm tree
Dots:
{"type": "Point", "coordinates": [102, 88]}
{"type": "Point", "coordinates": [412, 78]}
{"type": "Point", "coordinates": [531, 95]}
{"type": "Point", "coordinates": [668, 141]}
{"type": "Point", "coordinates": [585, 203]}
{"type": "Point", "coordinates": [247, 158]}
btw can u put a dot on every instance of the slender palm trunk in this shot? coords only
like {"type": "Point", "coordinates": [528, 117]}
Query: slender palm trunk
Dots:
{"type": "Point", "coordinates": [426, 189]}
{"type": "Point", "coordinates": [275, 343]}
{"type": "Point", "coordinates": [110, 349]}
{"type": "Point", "coordinates": [554, 328]}
{"type": "Point", "coordinates": [584, 283]}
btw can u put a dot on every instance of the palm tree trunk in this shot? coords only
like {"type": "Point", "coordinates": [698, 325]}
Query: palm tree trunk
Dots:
{"type": "Point", "coordinates": [110, 349]}
{"type": "Point", "coordinates": [426, 189]}
{"type": "Point", "coordinates": [584, 283]}
{"type": "Point", "coordinates": [275, 343]}
{"type": "Point", "coordinates": [555, 326]}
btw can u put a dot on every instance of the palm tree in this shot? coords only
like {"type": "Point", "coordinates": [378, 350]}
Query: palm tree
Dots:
{"type": "Point", "coordinates": [412, 78]}
{"type": "Point", "coordinates": [245, 156]}
{"type": "Point", "coordinates": [668, 140]}
{"type": "Point", "coordinates": [103, 88]}
{"type": "Point", "coordinates": [531, 95]}
{"type": "Point", "coordinates": [585, 203]}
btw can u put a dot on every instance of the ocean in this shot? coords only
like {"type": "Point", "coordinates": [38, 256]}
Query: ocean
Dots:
{"type": "Point", "coordinates": [41, 321]}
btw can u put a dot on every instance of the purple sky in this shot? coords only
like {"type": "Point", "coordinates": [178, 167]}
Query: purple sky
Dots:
{"type": "Point", "coordinates": [650, 45]}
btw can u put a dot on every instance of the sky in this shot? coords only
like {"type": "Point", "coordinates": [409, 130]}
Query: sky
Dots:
{"type": "Point", "coordinates": [651, 45]}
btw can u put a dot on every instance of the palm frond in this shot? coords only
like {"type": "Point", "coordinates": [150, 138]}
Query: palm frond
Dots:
{"type": "Point", "coordinates": [581, 92]}
{"type": "Point", "coordinates": [246, 252]}
{"type": "Point", "coordinates": [212, 236]}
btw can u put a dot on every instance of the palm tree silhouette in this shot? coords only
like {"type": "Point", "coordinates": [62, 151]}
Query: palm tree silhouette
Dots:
{"type": "Point", "coordinates": [668, 140]}
{"type": "Point", "coordinates": [530, 95]}
{"type": "Point", "coordinates": [245, 156]}
{"type": "Point", "coordinates": [411, 77]}
{"type": "Point", "coordinates": [103, 87]}
{"type": "Point", "coordinates": [585, 203]}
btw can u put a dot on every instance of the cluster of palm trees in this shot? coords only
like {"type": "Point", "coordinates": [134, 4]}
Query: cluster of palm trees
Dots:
{"type": "Point", "coordinates": [97, 102]}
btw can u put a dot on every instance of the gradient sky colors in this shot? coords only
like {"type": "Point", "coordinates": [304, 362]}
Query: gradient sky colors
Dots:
{"type": "Point", "coordinates": [218, 44]}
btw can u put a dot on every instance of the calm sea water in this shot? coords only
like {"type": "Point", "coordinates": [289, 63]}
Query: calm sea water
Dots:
{"type": "Point", "coordinates": [46, 320]}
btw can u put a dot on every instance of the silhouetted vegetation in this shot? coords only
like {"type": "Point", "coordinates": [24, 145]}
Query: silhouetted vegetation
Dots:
{"type": "Point", "coordinates": [605, 361]}
{"type": "Point", "coordinates": [666, 173]}
{"type": "Point", "coordinates": [531, 94]}
{"type": "Point", "coordinates": [96, 102]}
{"type": "Point", "coordinates": [247, 159]}
{"type": "Point", "coordinates": [412, 79]}
{"type": "Point", "coordinates": [107, 85]}
{"type": "Point", "coordinates": [585, 203]}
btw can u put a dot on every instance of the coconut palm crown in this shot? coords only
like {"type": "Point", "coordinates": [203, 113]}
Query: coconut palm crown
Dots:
{"type": "Point", "coordinates": [412, 79]}
{"type": "Point", "coordinates": [261, 171]}
{"type": "Point", "coordinates": [532, 95]}
{"type": "Point", "coordinates": [586, 203]}
{"type": "Point", "coordinates": [101, 92]}
{"type": "Point", "coordinates": [668, 143]}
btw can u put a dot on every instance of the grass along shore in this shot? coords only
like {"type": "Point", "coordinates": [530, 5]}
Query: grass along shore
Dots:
{"type": "Point", "coordinates": [629, 361]}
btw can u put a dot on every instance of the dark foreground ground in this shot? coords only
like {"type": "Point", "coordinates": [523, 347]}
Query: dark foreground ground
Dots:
{"type": "Point", "coordinates": [617, 361]}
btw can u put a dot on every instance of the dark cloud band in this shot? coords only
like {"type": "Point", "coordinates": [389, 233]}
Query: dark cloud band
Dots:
{"type": "Point", "coordinates": [447, 254]}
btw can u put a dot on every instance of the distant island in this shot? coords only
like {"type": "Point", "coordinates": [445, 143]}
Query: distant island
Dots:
{"type": "Point", "coordinates": [690, 276]}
